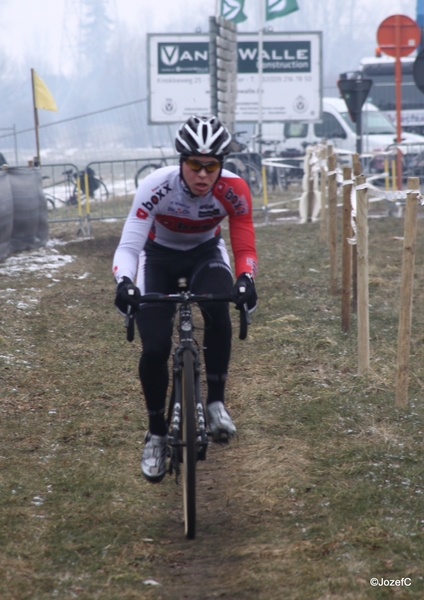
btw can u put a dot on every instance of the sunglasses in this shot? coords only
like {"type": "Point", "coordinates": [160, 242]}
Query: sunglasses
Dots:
{"type": "Point", "coordinates": [196, 165]}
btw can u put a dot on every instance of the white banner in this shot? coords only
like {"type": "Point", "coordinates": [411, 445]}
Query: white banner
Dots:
{"type": "Point", "coordinates": [291, 77]}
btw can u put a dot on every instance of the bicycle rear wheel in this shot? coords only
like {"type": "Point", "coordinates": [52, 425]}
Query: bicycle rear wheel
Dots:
{"type": "Point", "coordinates": [101, 192]}
{"type": "Point", "coordinates": [189, 445]}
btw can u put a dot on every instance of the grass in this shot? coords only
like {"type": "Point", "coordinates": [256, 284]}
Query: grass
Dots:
{"type": "Point", "coordinates": [322, 489]}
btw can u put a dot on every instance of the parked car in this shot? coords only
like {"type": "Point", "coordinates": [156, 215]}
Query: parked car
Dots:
{"type": "Point", "coordinates": [338, 129]}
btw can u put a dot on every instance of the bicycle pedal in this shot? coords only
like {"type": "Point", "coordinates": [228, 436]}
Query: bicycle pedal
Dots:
{"type": "Point", "coordinates": [221, 438]}
{"type": "Point", "coordinates": [201, 454]}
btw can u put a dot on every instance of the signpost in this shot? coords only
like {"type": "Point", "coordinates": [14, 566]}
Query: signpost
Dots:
{"type": "Point", "coordinates": [223, 70]}
{"type": "Point", "coordinates": [398, 36]}
{"type": "Point", "coordinates": [355, 92]}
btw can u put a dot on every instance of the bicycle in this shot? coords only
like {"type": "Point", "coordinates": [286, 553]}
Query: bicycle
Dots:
{"type": "Point", "coordinates": [97, 189]}
{"type": "Point", "coordinates": [148, 168]}
{"type": "Point", "coordinates": [245, 164]}
{"type": "Point", "coordinates": [186, 418]}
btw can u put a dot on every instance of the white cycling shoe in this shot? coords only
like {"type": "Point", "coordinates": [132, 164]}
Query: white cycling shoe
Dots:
{"type": "Point", "coordinates": [219, 421]}
{"type": "Point", "coordinates": [153, 461]}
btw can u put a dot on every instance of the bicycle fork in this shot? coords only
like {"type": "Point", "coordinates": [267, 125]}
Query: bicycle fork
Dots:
{"type": "Point", "coordinates": [174, 437]}
{"type": "Point", "coordinates": [201, 435]}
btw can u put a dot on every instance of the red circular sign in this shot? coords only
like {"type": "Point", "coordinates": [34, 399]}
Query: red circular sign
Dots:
{"type": "Point", "coordinates": [398, 35]}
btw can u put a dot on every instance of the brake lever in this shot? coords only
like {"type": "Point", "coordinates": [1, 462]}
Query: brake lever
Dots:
{"type": "Point", "coordinates": [244, 317]}
{"type": "Point", "coordinates": [129, 320]}
{"type": "Point", "coordinates": [247, 313]}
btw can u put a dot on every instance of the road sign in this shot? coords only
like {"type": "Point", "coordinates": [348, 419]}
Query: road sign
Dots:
{"type": "Point", "coordinates": [418, 71]}
{"type": "Point", "coordinates": [398, 35]}
{"type": "Point", "coordinates": [354, 92]}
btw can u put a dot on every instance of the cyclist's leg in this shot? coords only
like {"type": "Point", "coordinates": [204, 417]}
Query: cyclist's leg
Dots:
{"type": "Point", "coordinates": [213, 275]}
{"type": "Point", "coordinates": [155, 327]}
{"type": "Point", "coordinates": [154, 323]}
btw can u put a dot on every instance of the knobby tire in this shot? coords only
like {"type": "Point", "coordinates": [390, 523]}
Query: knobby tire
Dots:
{"type": "Point", "coordinates": [189, 447]}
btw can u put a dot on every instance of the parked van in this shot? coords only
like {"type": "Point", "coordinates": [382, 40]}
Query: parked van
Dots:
{"type": "Point", "coordinates": [338, 129]}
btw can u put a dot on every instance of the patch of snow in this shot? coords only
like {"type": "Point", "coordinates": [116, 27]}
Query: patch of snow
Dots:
{"type": "Point", "coordinates": [43, 261]}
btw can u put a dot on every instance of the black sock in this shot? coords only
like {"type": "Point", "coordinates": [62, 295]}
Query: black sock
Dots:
{"type": "Point", "coordinates": [157, 424]}
{"type": "Point", "coordinates": [216, 388]}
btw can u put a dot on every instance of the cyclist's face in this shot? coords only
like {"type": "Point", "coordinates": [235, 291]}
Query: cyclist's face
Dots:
{"type": "Point", "coordinates": [198, 178]}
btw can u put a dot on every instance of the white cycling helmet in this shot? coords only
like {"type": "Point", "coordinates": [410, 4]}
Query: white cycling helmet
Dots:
{"type": "Point", "coordinates": [203, 136]}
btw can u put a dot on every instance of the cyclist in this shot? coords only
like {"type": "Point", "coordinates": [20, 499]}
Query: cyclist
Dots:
{"type": "Point", "coordinates": [172, 233]}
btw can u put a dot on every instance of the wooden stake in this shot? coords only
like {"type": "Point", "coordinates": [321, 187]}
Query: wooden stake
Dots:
{"type": "Point", "coordinates": [357, 170]}
{"type": "Point", "coordinates": [311, 193]}
{"type": "Point", "coordinates": [332, 221]}
{"type": "Point", "coordinates": [387, 178]}
{"type": "Point", "coordinates": [346, 248]}
{"type": "Point", "coordinates": [406, 287]}
{"type": "Point", "coordinates": [394, 177]}
{"type": "Point", "coordinates": [265, 192]}
{"type": "Point", "coordinates": [323, 182]}
{"type": "Point", "coordinates": [356, 165]}
{"type": "Point", "coordinates": [363, 296]}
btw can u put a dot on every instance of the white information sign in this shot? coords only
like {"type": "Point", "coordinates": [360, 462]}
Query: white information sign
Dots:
{"type": "Point", "coordinates": [179, 84]}
{"type": "Point", "coordinates": [291, 77]}
{"type": "Point", "coordinates": [179, 77]}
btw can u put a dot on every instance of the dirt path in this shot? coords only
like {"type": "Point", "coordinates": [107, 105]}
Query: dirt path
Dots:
{"type": "Point", "coordinates": [319, 492]}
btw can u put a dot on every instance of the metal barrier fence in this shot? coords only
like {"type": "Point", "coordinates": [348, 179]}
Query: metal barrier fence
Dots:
{"type": "Point", "coordinates": [101, 190]}
{"type": "Point", "coordinates": [58, 187]}
{"type": "Point", "coordinates": [112, 184]}
{"type": "Point", "coordinates": [105, 189]}
{"type": "Point", "coordinates": [121, 178]}
{"type": "Point", "coordinates": [412, 162]}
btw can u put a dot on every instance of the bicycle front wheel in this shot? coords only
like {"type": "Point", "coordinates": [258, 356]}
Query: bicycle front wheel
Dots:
{"type": "Point", "coordinates": [189, 444]}
{"type": "Point", "coordinates": [253, 176]}
{"type": "Point", "coordinates": [144, 171]}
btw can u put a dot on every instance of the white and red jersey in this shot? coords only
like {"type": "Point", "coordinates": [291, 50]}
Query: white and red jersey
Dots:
{"type": "Point", "coordinates": [166, 211]}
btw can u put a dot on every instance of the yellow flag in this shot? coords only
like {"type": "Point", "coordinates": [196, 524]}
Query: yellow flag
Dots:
{"type": "Point", "coordinates": [42, 95]}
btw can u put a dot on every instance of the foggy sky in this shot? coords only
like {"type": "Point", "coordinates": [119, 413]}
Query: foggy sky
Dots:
{"type": "Point", "coordinates": [46, 31]}
{"type": "Point", "coordinates": [102, 70]}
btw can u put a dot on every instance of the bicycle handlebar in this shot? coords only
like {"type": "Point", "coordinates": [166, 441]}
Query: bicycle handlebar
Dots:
{"type": "Point", "coordinates": [186, 298]}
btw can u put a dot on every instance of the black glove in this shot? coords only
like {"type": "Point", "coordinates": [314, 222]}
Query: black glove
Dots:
{"type": "Point", "coordinates": [127, 294]}
{"type": "Point", "coordinates": [244, 292]}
